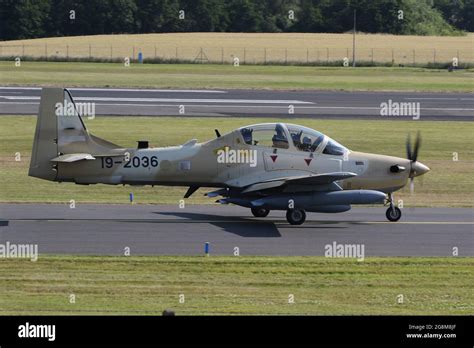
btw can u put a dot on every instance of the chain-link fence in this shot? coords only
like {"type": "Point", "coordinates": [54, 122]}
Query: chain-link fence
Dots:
{"type": "Point", "coordinates": [226, 55]}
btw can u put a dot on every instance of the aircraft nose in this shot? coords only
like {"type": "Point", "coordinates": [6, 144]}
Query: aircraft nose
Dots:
{"type": "Point", "coordinates": [419, 169]}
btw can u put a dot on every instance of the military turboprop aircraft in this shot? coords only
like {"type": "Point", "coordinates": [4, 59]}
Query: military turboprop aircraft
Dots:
{"type": "Point", "coordinates": [264, 167]}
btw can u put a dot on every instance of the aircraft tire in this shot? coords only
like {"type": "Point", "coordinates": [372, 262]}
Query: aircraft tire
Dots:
{"type": "Point", "coordinates": [393, 215]}
{"type": "Point", "coordinates": [260, 212]}
{"type": "Point", "coordinates": [295, 216]}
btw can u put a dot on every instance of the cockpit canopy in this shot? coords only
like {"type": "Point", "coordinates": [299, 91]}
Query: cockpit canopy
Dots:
{"type": "Point", "coordinates": [277, 135]}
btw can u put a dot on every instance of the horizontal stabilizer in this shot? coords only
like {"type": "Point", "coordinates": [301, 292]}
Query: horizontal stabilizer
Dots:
{"type": "Point", "coordinates": [73, 157]}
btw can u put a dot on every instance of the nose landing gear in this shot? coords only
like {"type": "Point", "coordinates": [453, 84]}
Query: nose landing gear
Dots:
{"type": "Point", "coordinates": [393, 213]}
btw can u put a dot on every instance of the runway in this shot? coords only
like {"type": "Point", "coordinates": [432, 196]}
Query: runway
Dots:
{"type": "Point", "coordinates": [169, 230]}
{"type": "Point", "coordinates": [248, 103]}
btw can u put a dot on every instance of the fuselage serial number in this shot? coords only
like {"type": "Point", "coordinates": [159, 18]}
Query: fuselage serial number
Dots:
{"type": "Point", "coordinates": [134, 162]}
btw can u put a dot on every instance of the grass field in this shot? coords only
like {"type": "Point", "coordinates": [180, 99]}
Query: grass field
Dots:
{"type": "Point", "coordinates": [252, 47]}
{"type": "Point", "coordinates": [238, 285]}
{"type": "Point", "coordinates": [226, 76]}
{"type": "Point", "coordinates": [448, 184]}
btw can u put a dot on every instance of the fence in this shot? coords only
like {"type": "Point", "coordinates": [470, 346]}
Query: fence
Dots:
{"type": "Point", "coordinates": [226, 55]}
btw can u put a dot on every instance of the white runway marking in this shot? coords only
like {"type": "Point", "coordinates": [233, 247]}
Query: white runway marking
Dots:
{"type": "Point", "coordinates": [440, 98]}
{"type": "Point", "coordinates": [248, 220]}
{"type": "Point", "coordinates": [283, 107]}
{"type": "Point", "coordinates": [21, 103]}
{"type": "Point", "coordinates": [123, 90]}
{"type": "Point", "coordinates": [175, 100]}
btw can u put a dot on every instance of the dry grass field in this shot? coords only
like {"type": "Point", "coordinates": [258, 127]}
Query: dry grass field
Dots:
{"type": "Point", "coordinates": [129, 285]}
{"type": "Point", "coordinates": [252, 47]}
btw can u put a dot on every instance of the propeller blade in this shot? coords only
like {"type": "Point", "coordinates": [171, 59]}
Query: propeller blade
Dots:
{"type": "Point", "coordinates": [408, 147]}
{"type": "Point", "coordinates": [413, 156]}
{"type": "Point", "coordinates": [417, 147]}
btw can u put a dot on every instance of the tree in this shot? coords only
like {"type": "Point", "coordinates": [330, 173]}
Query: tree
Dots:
{"type": "Point", "coordinates": [459, 13]}
{"type": "Point", "coordinates": [243, 16]}
{"type": "Point", "coordinates": [29, 19]}
{"type": "Point", "coordinates": [23, 19]}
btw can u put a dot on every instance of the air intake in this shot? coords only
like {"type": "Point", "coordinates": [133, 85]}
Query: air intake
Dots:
{"type": "Point", "coordinates": [397, 168]}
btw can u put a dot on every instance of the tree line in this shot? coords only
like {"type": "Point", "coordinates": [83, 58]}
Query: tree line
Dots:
{"type": "Point", "coordinates": [25, 19]}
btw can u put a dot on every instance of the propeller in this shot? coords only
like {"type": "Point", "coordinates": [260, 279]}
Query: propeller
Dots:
{"type": "Point", "coordinates": [413, 156]}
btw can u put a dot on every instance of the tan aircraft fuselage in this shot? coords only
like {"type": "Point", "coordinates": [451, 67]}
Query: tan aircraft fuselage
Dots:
{"type": "Point", "coordinates": [196, 164]}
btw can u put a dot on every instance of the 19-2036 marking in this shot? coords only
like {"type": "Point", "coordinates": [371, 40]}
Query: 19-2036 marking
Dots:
{"type": "Point", "coordinates": [134, 162]}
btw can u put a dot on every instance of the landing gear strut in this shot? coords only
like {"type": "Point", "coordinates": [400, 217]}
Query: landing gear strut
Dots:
{"type": "Point", "coordinates": [260, 212]}
{"type": "Point", "coordinates": [393, 213]}
{"type": "Point", "coordinates": [295, 216]}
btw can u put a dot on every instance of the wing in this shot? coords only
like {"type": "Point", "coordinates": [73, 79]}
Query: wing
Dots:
{"type": "Point", "coordinates": [318, 182]}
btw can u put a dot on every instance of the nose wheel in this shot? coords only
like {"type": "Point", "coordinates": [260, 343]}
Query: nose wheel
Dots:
{"type": "Point", "coordinates": [295, 216]}
{"type": "Point", "coordinates": [393, 213]}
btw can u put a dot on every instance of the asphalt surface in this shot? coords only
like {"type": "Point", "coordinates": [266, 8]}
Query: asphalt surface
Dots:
{"type": "Point", "coordinates": [248, 103]}
{"type": "Point", "coordinates": [169, 230]}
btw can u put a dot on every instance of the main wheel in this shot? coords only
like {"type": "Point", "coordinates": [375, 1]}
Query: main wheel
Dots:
{"type": "Point", "coordinates": [295, 216]}
{"type": "Point", "coordinates": [260, 212]}
{"type": "Point", "coordinates": [393, 214]}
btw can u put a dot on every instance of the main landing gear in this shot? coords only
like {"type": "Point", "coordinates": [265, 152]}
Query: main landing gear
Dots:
{"type": "Point", "coordinates": [295, 216]}
{"type": "Point", "coordinates": [260, 212]}
{"type": "Point", "coordinates": [393, 213]}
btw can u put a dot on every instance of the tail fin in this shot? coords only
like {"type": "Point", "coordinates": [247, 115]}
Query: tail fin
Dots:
{"type": "Point", "coordinates": [60, 131]}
